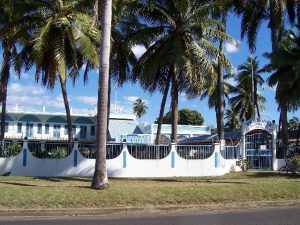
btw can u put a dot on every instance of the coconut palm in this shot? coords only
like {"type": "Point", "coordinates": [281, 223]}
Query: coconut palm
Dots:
{"type": "Point", "coordinates": [179, 37]}
{"type": "Point", "coordinates": [11, 61]}
{"type": "Point", "coordinates": [139, 108]}
{"type": "Point", "coordinates": [285, 62]}
{"type": "Point", "coordinates": [246, 71]}
{"type": "Point", "coordinates": [253, 13]}
{"type": "Point", "coordinates": [100, 180]}
{"type": "Point", "coordinates": [63, 40]}
{"type": "Point", "coordinates": [232, 120]}
{"type": "Point", "coordinates": [212, 93]}
{"type": "Point", "coordinates": [241, 102]}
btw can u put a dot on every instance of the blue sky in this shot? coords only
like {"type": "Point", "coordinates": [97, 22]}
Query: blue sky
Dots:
{"type": "Point", "coordinates": [83, 98]}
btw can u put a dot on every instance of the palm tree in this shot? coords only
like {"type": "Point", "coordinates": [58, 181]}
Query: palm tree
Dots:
{"type": "Point", "coordinates": [62, 42]}
{"type": "Point", "coordinates": [211, 91]}
{"type": "Point", "coordinates": [100, 180]}
{"type": "Point", "coordinates": [179, 38]}
{"type": "Point", "coordinates": [232, 120]}
{"type": "Point", "coordinates": [139, 108]}
{"type": "Point", "coordinates": [254, 12]}
{"type": "Point", "coordinates": [285, 61]}
{"type": "Point", "coordinates": [242, 101]}
{"type": "Point", "coordinates": [9, 12]}
{"type": "Point", "coordinates": [248, 70]}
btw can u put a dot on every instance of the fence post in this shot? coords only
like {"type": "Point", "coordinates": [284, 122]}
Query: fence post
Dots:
{"type": "Point", "coordinates": [243, 139]}
{"type": "Point", "coordinates": [173, 151]}
{"type": "Point", "coordinates": [217, 147]}
{"type": "Point", "coordinates": [274, 150]}
{"type": "Point", "coordinates": [124, 155]}
{"type": "Point", "coordinates": [75, 150]}
{"type": "Point", "coordinates": [25, 150]}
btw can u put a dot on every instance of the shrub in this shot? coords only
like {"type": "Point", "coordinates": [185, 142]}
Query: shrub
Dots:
{"type": "Point", "coordinates": [296, 159]}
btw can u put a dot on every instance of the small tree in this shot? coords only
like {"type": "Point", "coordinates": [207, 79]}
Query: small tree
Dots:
{"type": "Point", "coordinates": [139, 108]}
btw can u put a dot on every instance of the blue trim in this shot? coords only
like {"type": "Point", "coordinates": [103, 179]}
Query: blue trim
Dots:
{"type": "Point", "coordinates": [173, 159]}
{"type": "Point", "coordinates": [217, 160]}
{"type": "Point", "coordinates": [24, 157]}
{"type": "Point", "coordinates": [124, 159]}
{"type": "Point", "coordinates": [75, 158]}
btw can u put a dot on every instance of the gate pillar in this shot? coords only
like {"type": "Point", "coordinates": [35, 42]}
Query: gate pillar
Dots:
{"type": "Point", "coordinates": [274, 150]}
{"type": "Point", "coordinates": [243, 140]}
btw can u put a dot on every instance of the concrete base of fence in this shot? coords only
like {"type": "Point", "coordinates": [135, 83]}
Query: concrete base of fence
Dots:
{"type": "Point", "coordinates": [122, 166]}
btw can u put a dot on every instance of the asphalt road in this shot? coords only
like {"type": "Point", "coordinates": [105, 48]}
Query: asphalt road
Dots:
{"type": "Point", "coordinates": [275, 216]}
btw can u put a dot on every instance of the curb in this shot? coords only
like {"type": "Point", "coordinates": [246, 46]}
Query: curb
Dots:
{"type": "Point", "coordinates": [142, 211]}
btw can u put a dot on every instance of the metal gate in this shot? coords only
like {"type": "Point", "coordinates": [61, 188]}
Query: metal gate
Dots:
{"type": "Point", "coordinates": [259, 150]}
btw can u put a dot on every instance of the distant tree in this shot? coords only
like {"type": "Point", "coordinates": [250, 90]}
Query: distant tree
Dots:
{"type": "Point", "coordinates": [232, 120]}
{"type": "Point", "coordinates": [185, 117]}
{"type": "Point", "coordinates": [293, 123]}
{"type": "Point", "coordinates": [139, 108]}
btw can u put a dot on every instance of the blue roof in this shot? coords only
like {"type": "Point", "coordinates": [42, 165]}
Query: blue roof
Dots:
{"type": "Point", "coordinates": [83, 120]}
{"type": "Point", "coordinates": [56, 119]}
{"type": "Point", "coordinates": [29, 118]}
{"type": "Point", "coordinates": [8, 118]}
{"type": "Point", "coordinates": [211, 138]}
{"type": "Point", "coordinates": [123, 127]}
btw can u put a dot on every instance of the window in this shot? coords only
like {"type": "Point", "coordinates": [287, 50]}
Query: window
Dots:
{"type": "Point", "coordinates": [92, 130]}
{"type": "Point", "coordinates": [47, 128]}
{"type": "Point", "coordinates": [56, 131]}
{"type": "Point", "coordinates": [83, 131]}
{"type": "Point", "coordinates": [39, 128]}
{"type": "Point", "coordinates": [19, 130]}
{"type": "Point", "coordinates": [6, 126]}
{"type": "Point", "coordinates": [74, 130]}
{"type": "Point", "coordinates": [66, 130]}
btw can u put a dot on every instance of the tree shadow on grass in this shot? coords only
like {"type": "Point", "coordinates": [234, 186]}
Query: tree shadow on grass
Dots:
{"type": "Point", "coordinates": [274, 174]}
{"type": "Point", "coordinates": [64, 179]}
{"type": "Point", "coordinates": [18, 184]}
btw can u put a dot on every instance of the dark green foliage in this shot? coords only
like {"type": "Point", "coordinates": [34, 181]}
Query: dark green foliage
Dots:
{"type": "Point", "coordinates": [186, 117]}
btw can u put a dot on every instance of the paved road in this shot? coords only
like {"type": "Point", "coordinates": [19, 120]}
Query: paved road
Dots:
{"type": "Point", "coordinates": [276, 216]}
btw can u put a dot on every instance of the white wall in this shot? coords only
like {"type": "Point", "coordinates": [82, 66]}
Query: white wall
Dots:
{"type": "Point", "coordinates": [24, 164]}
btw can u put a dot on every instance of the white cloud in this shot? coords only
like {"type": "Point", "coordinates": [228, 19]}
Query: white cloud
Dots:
{"type": "Point", "coordinates": [232, 81]}
{"type": "Point", "coordinates": [130, 99]}
{"type": "Point", "coordinates": [231, 47]}
{"type": "Point", "coordinates": [183, 97]}
{"type": "Point", "coordinates": [138, 50]}
{"type": "Point", "coordinates": [15, 88]}
{"type": "Point", "coordinates": [89, 100]}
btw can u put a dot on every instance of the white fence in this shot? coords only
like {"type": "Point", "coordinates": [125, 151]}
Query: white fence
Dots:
{"type": "Point", "coordinates": [123, 161]}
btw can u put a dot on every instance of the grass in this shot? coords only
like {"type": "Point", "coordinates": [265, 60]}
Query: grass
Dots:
{"type": "Point", "coordinates": [246, 188]}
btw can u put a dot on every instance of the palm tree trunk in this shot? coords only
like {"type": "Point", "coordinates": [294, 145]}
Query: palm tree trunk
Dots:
{"type": "Point", "coordinates": [100, 180]}
{"type": "Point", "coordinates": [3, 113]}
{"type": "Point", "coordinates": [108, 108]}
{"type": "Point", "coordinates": [256, 98]}
{"type": "Point", "coordinates": [174, 95]}
{"type": "Point", "coordinates": [96, 13]}
{"type": "Point", "coordinates": [298, 135]}
{"type": "Point", "coordinates": [220, 84]}
{"type": "Point", "coordinates": [282, 105]}
{"type": "Point", "coordinates": [284, 122]}
{"type": "Point", "coordinates": [67, 108]}
{"type": "Point", "coordinates": [4, 82]}
{"type": "Point", "coordinates": [162, 110]}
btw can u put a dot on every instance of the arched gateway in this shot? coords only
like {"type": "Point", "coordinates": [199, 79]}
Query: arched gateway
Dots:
{"type": "Point", "coordinates": [259, 143]}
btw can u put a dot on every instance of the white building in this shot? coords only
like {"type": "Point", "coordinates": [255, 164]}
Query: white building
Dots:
{"type": "Point", "coordinates": [53, 126]}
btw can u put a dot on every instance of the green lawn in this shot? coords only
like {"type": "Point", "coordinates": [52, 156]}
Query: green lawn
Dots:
{"type": "Point", "coordinates": [245, 188]}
